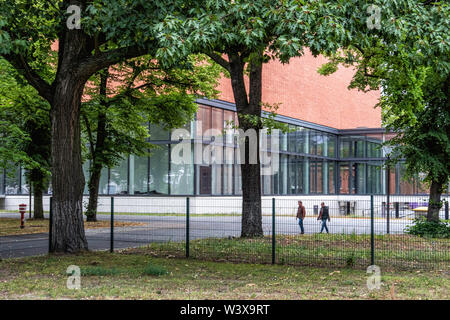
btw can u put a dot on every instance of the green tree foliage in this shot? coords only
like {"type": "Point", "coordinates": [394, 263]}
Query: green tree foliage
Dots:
{"type": "Point", "coordinates": [242, 36]}
{"type": "Point", "coordinates": [129, 96]}
{"type": "Point", "coordinates": [110, 32]}
{"type": "Point", "coordinates": [24, 131]}
{"type": "Point", "coordinates": [408, 59]}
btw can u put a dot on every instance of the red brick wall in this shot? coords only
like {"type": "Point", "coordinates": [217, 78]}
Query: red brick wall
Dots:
{"type": "Point", "coordinates": [306, 95]}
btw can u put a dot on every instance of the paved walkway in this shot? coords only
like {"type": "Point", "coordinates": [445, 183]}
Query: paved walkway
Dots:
{"type": "Point", "coordinates": [37, 244]}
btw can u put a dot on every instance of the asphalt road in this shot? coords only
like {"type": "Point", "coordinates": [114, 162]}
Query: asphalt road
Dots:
{"type": "Point", "coordinates": [173, 228]}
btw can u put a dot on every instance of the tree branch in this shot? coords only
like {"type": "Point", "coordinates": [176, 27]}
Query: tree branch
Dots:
{"type": "Point", "coordinates": [44, 89]}
{"type": "Point", "coordinates": [219, 60]}
{"type": "Point", "coordinates": [92, 64]}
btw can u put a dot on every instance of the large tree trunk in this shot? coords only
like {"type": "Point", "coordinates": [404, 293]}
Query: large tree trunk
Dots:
{"type": "Point", "coordinates": [434, 203]}
{"type": "Point", "coordinates": [250, 172]}
{"type": "Point", "coordinates": [38, 201]}
{"type": "Point", "coordinates": [67, 178]}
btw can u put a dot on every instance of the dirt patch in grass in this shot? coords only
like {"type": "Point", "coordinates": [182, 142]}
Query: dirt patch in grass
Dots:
{"type": "Point", "coordinates": [11, 226]}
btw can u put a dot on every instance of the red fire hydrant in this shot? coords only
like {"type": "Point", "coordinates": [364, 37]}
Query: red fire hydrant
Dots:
{"type": "Point", "coordinates": [22, 210]}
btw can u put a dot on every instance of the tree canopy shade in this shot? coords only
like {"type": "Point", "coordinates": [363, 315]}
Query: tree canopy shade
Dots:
{"type": "Point", "coordinates": [111, 32]}
{"type": "Point", "coordinates": [410, 63]}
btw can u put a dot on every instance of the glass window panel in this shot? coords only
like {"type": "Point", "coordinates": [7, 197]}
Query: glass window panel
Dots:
{"type": "Point", "coordinates": [12, 183]}
{"type": "Point", "coordinates": [292, 140]}
{"type": "Point", "coordinates": [216, 177]}
{"type": "Point", "coordinates": [118, 178]}
{"type": "Point", "coordinates": [283, 141]}
{"type": "Point", "coordinates": [138, 175]}
{"type": "Point", "coordinates": [320, 143]}
{"type": "Point", "coordinates": [25, 187]}
{"type": "Point", "coordinates": [284, 174]}
{"type": "Point", "coordinates": [374, 181]}
{"type": "Point", "coordinates": [331, 146]}
{"type": "Point", "coordinates": [344, 178]}
{"type": "Point", "coordinates": [360, 178]}
{"type": "Point", "coordinates": [182, 178]}
{"type": "Point", "coordinates": [276, 181]}
{"type": "Point", "coordinates": [228, 124]}
{"type": "Point", "coordinates": [316, 176]}
{"type": "Point", "coordinates": [103, 184]}
{"type": "Point", "coordinates": [238, 179]}
{"type": "Point", "coordinates": [312, 142]}
{"type": "Point", "coordinates": [86, 166]}
{"type": "Point", "coordinates": [406, 184]}
{"type": "Point", "coordinates": [359, 149]}
{"type": "Point", "coordinates": [217, 119]}
{"type": "Point", "coordinates": [228, 170]}
{"type": "Point", "coordinates": [319, 176]}
{"type": "Point", "coordinates": [203, 116]}
{"type": "Point", "coordinates": [373, 150]}
{"type": "Point", "coordinates": [331, 174]}
{"type": "Point", "coordinates": [345, 148]}
{"type": "Point", "coordinates": [228, 179]}
{"type": "Point", "coordinates": [301, 139]}
{"type": "Point", "coordinates": [159, 170]}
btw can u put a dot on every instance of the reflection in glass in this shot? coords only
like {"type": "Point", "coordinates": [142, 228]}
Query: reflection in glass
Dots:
{"type": "Point", "coordinates": [159, 170]}
{"type": "Point", "coordinates": [118, 178]}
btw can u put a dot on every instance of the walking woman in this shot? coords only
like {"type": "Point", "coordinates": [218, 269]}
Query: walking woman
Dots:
{"type": "Point", "coordinates": [324, 216]}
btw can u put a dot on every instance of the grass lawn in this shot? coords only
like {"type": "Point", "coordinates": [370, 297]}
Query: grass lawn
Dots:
{"type": "Point", "coordinates": [11, 226]}
{"type": "Point", "coordinates": [127, 275]}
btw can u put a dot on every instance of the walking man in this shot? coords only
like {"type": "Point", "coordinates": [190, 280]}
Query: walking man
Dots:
{"type": "Point", "coordinates": [324, 216]}
{"type": "Point", "coordinates": [301, 212]}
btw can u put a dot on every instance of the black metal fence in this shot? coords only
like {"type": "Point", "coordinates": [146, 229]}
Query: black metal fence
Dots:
{"type": "Point", "coordinates": [361, 232]}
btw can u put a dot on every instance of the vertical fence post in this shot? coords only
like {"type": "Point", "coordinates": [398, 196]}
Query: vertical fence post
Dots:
{"type": "Point", "coordinates": [111, 246]}
{"type": "Point", "coordinates": [187, 227]}
{"type": "Point", "coordinates": [397, 209]}
{"type": "Point", "coordinates": [273, 231]}
{"type": "Point", "coordinates": [387, 215]}
{"type": "Point", "coordinates": [446, 210]}
{"type": "Point", "coordinates": [50, 225]}
{"type": "Point", "coordinates": [31, 190]}
{"type": "Point", "coordinates": [372, 243]}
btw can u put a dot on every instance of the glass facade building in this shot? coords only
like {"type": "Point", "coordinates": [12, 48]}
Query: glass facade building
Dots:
{"type": "Point", "coordinates": [313, 159]}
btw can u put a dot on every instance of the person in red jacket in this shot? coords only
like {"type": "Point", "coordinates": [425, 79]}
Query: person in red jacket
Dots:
{"type": "Point", "coordinates": [301, 212]}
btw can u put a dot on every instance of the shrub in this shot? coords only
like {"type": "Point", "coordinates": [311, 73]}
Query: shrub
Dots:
{"type": "Point", "coordinates": [431, 229]}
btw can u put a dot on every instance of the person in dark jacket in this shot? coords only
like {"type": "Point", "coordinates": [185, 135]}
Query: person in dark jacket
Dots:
{"type": "Point", "coordinates": [301, 212]}
{"type": "Point", "coordinates": [324, 216]}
